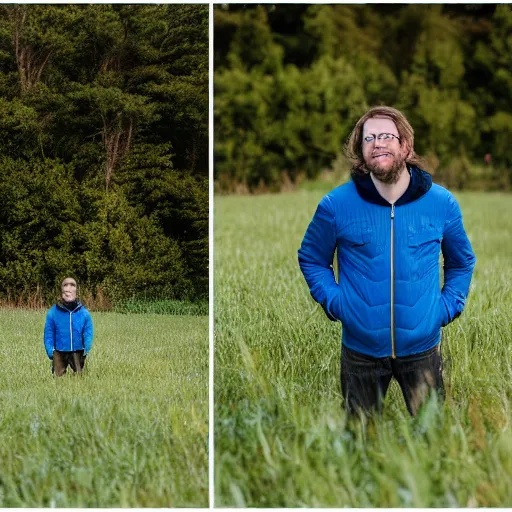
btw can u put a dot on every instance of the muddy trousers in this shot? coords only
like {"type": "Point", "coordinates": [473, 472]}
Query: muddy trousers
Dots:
{"type": "Point", "coordinates": [365, 379]}
{"type": "Point", "coordinates": [61, 360]}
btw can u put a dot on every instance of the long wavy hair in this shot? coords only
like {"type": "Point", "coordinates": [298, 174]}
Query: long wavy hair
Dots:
{"type": "Point", "coordinates": [354, 144]}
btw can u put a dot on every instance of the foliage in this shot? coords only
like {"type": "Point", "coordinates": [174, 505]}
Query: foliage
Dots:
{"type": "Point", "coordinates": [291, 81]}
{"type": "Point", "coordinates": [281, 436]}
{"type": "Point", "coordinates": [103, 149]}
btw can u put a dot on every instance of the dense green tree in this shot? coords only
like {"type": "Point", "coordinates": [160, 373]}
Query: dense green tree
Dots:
{"type": "Point", "coordinates": [278, 109]}
{"type": "Point", "coordinates": [42, 228]}
{"type": "Point", "coordinates": [271, 119]}
{"type": "Point", "coordinates": [104, 148]}
{"type": "Point", "coordinates": [498, 63]}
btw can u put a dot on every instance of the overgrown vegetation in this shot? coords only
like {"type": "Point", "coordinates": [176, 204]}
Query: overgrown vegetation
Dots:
{"type": "Point", "coordinates": [281, 436]}
{"type": "Point", "coordinates": [104, 150]}
{"type": "Point", "coordinates": [292, 80]}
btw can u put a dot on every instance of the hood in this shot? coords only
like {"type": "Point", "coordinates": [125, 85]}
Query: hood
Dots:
{"type": "Point", "coordinates": [420, 184]}
{"type": "Point", "coordinates": [69, 306]}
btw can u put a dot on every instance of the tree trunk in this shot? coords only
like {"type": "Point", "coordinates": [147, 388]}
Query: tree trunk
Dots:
{"type": "Point", "coordinates": [30, 62]}
{"type": "Point", "coordinates": [117, 135]}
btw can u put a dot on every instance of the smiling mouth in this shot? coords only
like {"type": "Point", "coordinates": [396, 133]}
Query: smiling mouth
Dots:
{"type": "Point", "coordinates": [382, 155]}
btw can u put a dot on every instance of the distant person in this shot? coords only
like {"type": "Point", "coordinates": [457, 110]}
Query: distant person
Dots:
{"type": "Point", "coordinates": [388, 224]}
{"type": "Point", "coordinates": [68, 331]}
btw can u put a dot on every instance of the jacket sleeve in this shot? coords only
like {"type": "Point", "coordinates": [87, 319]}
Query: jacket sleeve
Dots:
{"type": "Point", "coordinates": [459, 262]}
{"type": "Point", "coordinates": [316, 255]}
{"type": "Point", "coordinates": [88, 333]}
{"type": "Point", "coordinates": [49, 335]}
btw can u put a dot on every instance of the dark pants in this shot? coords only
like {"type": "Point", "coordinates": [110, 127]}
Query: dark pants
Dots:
{"type": "Point", "coordinates": [61, 360]}
{"type": "Point", "coordinates": [365, 379]}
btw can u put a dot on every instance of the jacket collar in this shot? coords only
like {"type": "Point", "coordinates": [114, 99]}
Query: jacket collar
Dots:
{"type": "Point", "coordinates": [420, 184]}
{"type": "Point", "coordinates": [70, 306]}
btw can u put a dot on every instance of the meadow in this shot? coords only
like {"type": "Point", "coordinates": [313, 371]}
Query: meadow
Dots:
{"type": "Point", "coordinates": [132, 431]}
{"type": "Point", "coordinates": [281, 436]}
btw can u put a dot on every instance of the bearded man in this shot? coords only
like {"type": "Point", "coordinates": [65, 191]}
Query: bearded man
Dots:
{"type": "Point", "coordinates": [68, 331]}
{"type": "Point", "coordinates": [388, 225]}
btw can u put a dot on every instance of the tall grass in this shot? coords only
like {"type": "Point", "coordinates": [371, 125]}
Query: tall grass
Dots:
{"type": "Point", "coordinates": [164, 307]}
{"type": "Point", "coordinates": [130, 432]}
{"type": "Point", "coordinates": [281, 436]}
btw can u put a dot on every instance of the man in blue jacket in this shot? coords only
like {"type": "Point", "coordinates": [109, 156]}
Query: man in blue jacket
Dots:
{"type": "Point", "coordinates": [388, 226]}
{"type": "Point", "coordinates": [68, 331]}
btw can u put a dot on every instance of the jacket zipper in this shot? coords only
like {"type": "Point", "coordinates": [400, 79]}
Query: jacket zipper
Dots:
{"type": "Point", "coordinates": [393, 355]}
{"type": "Point", "coordinates": [71, 330]}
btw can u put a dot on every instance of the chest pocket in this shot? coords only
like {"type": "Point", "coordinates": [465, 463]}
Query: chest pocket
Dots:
{"type": "Point", "coordinates": [357, 234]}
{"type": "Point", "coordinates": [425, 232]}
{"type": "Point", "coordinates": [427, 237]}
{"type": "Point", "coordinates": [424, 248]}
{"type": "Point", "coordinates": [360, 238]}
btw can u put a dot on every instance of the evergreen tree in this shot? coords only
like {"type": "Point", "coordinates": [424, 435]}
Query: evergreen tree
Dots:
{"type": "Point", "coordinates": [104, 121]}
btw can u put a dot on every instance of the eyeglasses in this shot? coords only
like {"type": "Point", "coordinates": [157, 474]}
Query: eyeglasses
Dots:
{"type": "Point", "coordinates": [381, 136]}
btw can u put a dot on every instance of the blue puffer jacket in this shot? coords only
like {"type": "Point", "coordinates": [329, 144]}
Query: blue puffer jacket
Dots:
{"type": "Point", "coordinates": [67, 330]}
{"type": "Point", "coordinates": [388, 295]}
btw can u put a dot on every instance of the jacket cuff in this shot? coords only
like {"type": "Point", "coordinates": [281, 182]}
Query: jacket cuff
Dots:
{"type": "Point", "coordinates": [332, 310]}
{"type": "Point", "coordinates": [451, 313]}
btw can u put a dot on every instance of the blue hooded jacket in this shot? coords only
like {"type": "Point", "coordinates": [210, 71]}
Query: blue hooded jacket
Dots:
{"type": "Point", "coordinates": [67, 330]}
{"type": "Point", "coordinates": [388, 295]}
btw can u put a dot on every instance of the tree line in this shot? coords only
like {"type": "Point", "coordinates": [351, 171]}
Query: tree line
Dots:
{"type": "Point", "coordinates": [104, 150]}
{"type": "Point", "coordinates": [292, 80]}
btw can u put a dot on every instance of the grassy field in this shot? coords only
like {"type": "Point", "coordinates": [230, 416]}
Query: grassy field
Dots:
{"type": "Point", "coordinates": [281, 437]}
{"type": "Point", "coordinates": [131, 432]}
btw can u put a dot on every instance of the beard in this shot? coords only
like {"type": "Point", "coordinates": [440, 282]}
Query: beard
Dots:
{"type": "Point", "coordinates": [389, 175]}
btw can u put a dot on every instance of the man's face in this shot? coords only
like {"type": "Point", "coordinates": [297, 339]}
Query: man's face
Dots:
{"type": "Point", "coordinates": [69, 289]}
{"type": "Point", "coordinates": [385, 159]}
